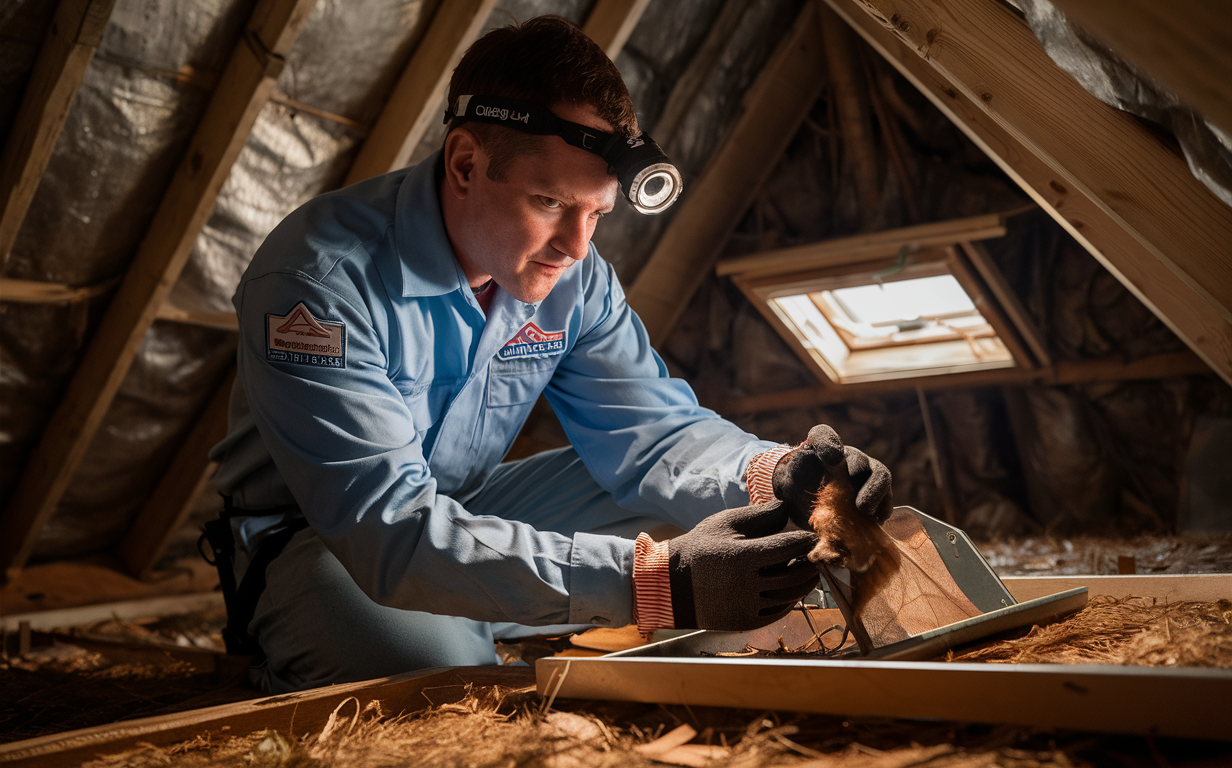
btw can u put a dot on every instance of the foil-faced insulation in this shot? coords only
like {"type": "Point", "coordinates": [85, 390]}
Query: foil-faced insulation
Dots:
{"type": "Point", "coordinates": [131, 119]}
{"type": "Point", "coordinates": [176, 370]}
{"type": "Point", "coordinates": [343, 63]}
{"type": "Point", "coordinates": [1116, 82]}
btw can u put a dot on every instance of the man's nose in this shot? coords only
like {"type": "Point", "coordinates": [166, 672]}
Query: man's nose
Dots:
{"type": "Point", "coordinates": [572, 236]}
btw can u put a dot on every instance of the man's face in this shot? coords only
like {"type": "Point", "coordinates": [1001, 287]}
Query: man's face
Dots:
{"type": "Point", "coordinates": [525, 231]}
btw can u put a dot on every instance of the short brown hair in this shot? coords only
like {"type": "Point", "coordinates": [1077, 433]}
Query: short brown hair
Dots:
{"type": "Point", "coordinates": [547, 60]}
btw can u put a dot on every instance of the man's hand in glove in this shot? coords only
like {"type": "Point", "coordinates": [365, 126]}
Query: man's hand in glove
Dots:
{"type": "Point", "coordinates": [736, 570]}
{"type": "Point", "coordinates": [838, 492]}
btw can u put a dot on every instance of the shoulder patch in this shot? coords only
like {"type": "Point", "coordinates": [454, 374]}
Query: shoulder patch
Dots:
{"type": "Point", "coordinates": [298, 337]}
{"type": "Point", "coordinates": [532, 341]}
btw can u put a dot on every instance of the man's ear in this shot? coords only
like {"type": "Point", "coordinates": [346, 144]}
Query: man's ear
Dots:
{"type": "Point", "coordinates": [463, 156]}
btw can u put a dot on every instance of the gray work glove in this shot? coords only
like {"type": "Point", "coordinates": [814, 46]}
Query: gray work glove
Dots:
{"type": "Point", "coordinates": [801, 473]}
{"type": "Point", "coordinates": [732, 571]}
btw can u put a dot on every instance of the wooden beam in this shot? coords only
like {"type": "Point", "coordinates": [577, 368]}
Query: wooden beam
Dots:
{"type": "Point", "coordinates": [225, 321]}
{"type": "Point", "coordinates": [75, 32]}
{"type": "Point", "coordinates": [612, 21]}
{"type": "Point", "coordinates": [38, 292]}
{"type": "Point", "coordinates": [866, 247]}
{"type": "Point", "coordinates": [1173, 587]}
{"type": "Point", "coordinates": [774, 108]}
{"type": "Point", "coordinates": [1164, 701]}
{"type": "Point", "coordinates": [61, 584]}
{"type": "Point", "coordinates": [307, 711]}
{"type": "Point", "coordinates": [183, 482]}
{"type": "Point", "coordinates": [125, 610]}
{"type": "Point", "coordinates": [1099, 204]}
{"type": "Point", "coordinates": [1186, 45]}
{"type": "Point", "coordinates": [412, 106]}
{"type": "Point", "coordinates": [1061, 372]}
{"type": "Point", "coordinates": [242, 91]}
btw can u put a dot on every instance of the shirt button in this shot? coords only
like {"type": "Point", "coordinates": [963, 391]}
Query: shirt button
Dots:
{"type": "Point", "coordinates": [602, 620]}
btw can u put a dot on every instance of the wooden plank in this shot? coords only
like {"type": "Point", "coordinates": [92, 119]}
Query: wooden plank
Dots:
{"type": "Point", "coordinates": [172, 501]}
{"type": "Point", "coordinates": [865, 247]}
{"type": "Point", "coordinates": [1190, 703]}
{"type": "Point", "coordinates": [307, 711]}
{"type": "Point", "coordinates": [980, 259]}
{"type": "Point", "coordinates": [612, 21]}
{"type": "Point", "coordinates": [64, 584]}
{"type": "Point", "coordinates": [1061, 372]}
{"type": "Point", "coordinates": [1084, 213]}
{"type": "Point", "coordinates": [75, 32]}
{"type": "Point", "coordinates": [1186, 45]}
{"type": "Point", "coordinates": [1173, 587]}
{"type": "Point", "coordinates": [175, 605]}
{"type": "Point", "coordinates": [986, 51]}
{"type": "Point", "coordinates": [774, 108]}
{"type": "Point", "coordinates": [225, 321]}
{"type": "Point", "coordinates": [412, 106]}
{"type": "Point", "coordinates": [242, 91]}
{"type": "Point", "coordinates": [39, 292]}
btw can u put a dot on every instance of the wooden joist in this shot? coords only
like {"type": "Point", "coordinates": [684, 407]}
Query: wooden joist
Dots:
{"type": "Point", "coordinates": [75, 32]}
{"type": "Point", "coordinates": [1172, 587]}
{"type": "Point", "coordinates": [224, 321]}
{"type": "Point", "coordinates": [182, 483]}
{"type": "Point", "coordinates": [412, 106]}
{"type": "Point", "coordinates": [242, 91]}
{"type": "Point", "coordinates": [1060, 372]}
{"type": "Point", "coordinates": [774, 108]}
{"type": "Point", "coordinates": [39, 292]}
{"type": "Point", "coordinates": [303, 712]}
{"type": "Point", "coordinates": [612, 21]}
{"type": "Point", "coordinates": [1114, 185]}
{"type": "Point", "coordinates": [865, 247]}
{"type": "Point", "coordinates": [1185, 44]}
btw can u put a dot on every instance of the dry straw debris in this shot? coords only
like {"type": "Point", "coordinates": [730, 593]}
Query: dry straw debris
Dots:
{"type": "Point", "coordinates": [499, 728]}
{"type": "Point", "coordinates": [1131, 631]}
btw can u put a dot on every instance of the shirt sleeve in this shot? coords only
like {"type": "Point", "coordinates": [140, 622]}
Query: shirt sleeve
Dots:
{"type": "Point", "coordinates": [348, 448]}
{"type": "Point", "coordinates": [640, 432]}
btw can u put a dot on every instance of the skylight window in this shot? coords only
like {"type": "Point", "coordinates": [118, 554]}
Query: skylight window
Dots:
{"type": "Point", "coordinates": [864, 317]}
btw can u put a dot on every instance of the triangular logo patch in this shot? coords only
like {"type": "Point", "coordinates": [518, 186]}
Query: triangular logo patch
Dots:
{"type": "Point", "coordinates": [298, 337]}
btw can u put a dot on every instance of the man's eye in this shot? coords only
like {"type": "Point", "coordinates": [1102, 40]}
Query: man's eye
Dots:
{"type": "Point", "coordinates": [549, 202]}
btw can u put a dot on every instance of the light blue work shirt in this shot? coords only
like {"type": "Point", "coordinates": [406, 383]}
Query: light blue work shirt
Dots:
{"type": "Point", "coordinates": [373, 391]}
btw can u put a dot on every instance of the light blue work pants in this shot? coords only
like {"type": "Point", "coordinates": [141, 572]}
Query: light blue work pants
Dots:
{"type": "Point", "coordinates": [317, 627]}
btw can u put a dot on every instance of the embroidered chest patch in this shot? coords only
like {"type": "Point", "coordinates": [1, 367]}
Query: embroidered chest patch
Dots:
{"type": "Point", "coordinates": [300, 338]}
{"type": "Point", "coordinates": [532, 340]}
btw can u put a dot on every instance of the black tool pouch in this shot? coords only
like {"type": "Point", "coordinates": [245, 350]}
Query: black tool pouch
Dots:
{"type": "Point", "coordinates": [241, 599]}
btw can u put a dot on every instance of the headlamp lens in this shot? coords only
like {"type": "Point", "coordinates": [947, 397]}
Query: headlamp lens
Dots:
{"type": "Point", "coordinates": [655, 188]}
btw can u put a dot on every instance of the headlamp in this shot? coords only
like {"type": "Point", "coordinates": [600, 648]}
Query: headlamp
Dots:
{"type": "Point", "coordinates": [648, 179]}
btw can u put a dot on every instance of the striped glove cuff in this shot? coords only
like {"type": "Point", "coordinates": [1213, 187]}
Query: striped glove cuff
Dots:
{"type": "Point", "coordinates": [652, 588]}
{"type": "Point", "coordinates": [759, 474]}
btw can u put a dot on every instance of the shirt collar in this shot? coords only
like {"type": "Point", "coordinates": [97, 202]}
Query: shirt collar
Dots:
{"type": "Point", "coordinates": [429, 266]}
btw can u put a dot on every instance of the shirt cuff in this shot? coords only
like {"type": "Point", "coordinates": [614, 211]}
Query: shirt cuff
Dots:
{"type": "Point", "coordinates": [652, 588]}
{"type": "Point", "coordinates": [599, 580]}
{"type": "Point", "coordinates": [759, 474]}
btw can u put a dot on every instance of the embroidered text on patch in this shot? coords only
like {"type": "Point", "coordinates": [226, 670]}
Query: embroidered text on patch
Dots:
{"type": "Point", "coordinates": [300, 338]}
{"type": "Point", "coordinates": [532, 340]}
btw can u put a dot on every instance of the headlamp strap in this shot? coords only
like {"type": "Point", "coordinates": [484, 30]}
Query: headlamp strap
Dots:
{"type": "Point", "coordinates": [530, 118]}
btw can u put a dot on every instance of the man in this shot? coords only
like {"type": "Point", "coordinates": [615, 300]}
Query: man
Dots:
{"type": "Point", "coordinates": [393, 338]}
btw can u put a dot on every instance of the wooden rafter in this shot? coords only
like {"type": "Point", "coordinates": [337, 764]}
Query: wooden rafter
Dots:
{"type": "Point", "coordinates": [1104, 177]}
{"type": "Point", "coordinates": [612, 21]}
{"type": "Point", "coordinates": [774, 108]}
{"type": "Point", "coordinates": [412, 105]}
{"type": "Point", "coordinates": [182, 483]}
{"type": "Point", "coordinates": [75, 31]}
{"type": "Point", "coordinates": [242, 91]}
{"type": "Point", "coordinates": [1185, 44]}
{"type": "Point", "coordinates": [1060, 372]}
